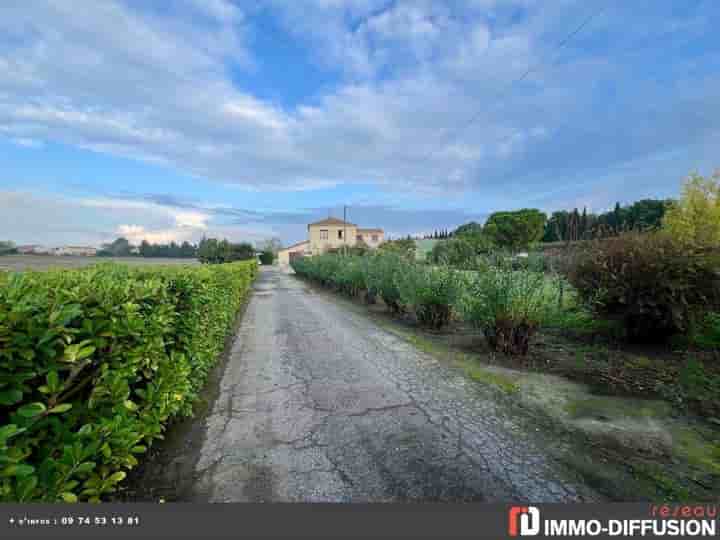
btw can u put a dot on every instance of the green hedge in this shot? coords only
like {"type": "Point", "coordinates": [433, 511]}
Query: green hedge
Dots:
{"type": "Point", "coordinates": [95, 362]}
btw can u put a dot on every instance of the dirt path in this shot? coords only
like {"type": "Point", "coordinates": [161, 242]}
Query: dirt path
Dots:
{"type": "Point", "coordinates": [318, 403]}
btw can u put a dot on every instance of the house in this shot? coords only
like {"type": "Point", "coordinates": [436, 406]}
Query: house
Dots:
{"type": "Point", "coordinates": [34, 249]}
{"type": "Point", "coordinates": [28, 249]}
{"type": "Point", "coordinates": [301, 249]}
{"type": "Point", "coordinates": [331, 234]}
{"type": "Point", "coordinates": [83, 251]}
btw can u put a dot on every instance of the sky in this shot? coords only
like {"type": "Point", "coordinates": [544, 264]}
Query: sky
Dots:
{"type": "Point", "coordinates": [249, 119]}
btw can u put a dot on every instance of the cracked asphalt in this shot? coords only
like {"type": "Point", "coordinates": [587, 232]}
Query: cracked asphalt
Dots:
{"type": "Point", "coordinates": [319, 403]}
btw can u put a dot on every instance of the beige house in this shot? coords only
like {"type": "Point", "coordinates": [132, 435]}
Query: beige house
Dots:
{"type": "Point", "coordinates": [331, 234]}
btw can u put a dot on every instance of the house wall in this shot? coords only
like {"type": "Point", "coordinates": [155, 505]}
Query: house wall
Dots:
{"type": "Point", "coordinates": [368, 235]}
{"type": "Point", "coordinates": [319, 245]}
{"type": "Point", "coordinates": [284, 254]}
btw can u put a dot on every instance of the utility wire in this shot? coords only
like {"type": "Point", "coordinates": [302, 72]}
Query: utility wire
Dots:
{"type": "Point", "coordinates": [522, 77]}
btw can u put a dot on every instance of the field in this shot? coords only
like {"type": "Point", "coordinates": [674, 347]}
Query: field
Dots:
{"type": "Point", "coordinates": [16, 263]}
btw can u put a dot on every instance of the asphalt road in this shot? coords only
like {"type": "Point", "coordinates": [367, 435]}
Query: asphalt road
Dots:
{"type": "Point", "coordinates": [318, 403]}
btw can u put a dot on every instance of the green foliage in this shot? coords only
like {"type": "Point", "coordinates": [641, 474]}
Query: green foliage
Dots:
{"type": "Point", "coordinates": [267, 257]}
{"type": "Point", "coordinates": [454, 252]}
{"type": "Point", "coordinates": [509, 304]}
{"type": "Point", "coordinates": [171, 250]}
{"type": "Point", "coordinates": [350, 275]}
{"type": "Point", "coordinates": [118, 248]}
{"type": "Point", "coordinates": [700, 387]}
{"type": "Point", "coordinates": [381, 272]}
{"type": "Point", "coordinates": [515, 230]}
{"type": "Point", "coordinates": [468, 229]}
{"type": "Point", "coordinates": [405, 247]}
{"type": "Point", "coordinates": [650, 281]}
{"type": "Point", "coordinates": [461, 251]}
{"type": "Point", "coordinates": [7, 248]}
{"type": "Point", "coordinates": [429, 293]}
{"type": "Point", "coordinates": [706, 333]}
{"type": "Point", "coordinates": [695, 219]}
{"type": "Point", "coordinates": [643, 215]}
{"type": "Point", "coordinates": [95, 362]}
{"type": "Point", "coordinates": [213, 251]}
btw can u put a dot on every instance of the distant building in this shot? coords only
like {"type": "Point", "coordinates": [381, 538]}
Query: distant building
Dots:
{"type": "Point", "coordinates": [34, 249]}
{"type": "Point", "coordinates": [331, 234]}
{"type": "Point", "coordinates": [28, 249]}
{"type": "Point", "coordinates": [83, 251]}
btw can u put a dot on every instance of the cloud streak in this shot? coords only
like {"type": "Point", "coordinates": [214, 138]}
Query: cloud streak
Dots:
{"type": "Point", "coordinates": [181, 89]}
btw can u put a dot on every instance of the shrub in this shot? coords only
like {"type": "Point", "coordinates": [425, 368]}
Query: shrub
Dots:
{"type": "Point", "coordinates": [350, 276]}
{"type": "Point", "coordinates": [509, 305]}
{"type": "Point", "coordinates": [706, 333]}
{"type": "Point", "coordinates": [381, 272]}
{"type": "Point", "coordinates": [267, 257]}
{"type": "Point", "coordinates": [458, 252]}
{"type": "Point", "coordinates": [95, 362]}
{"type": "Point", "coordinates": [404, 247]}
{"type": "Point", "coordinates": [651, 282]}
{"type": "Point", "coordinates": [429, 293]}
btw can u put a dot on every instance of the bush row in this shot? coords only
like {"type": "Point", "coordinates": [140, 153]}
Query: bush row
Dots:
{"type": "Point", "coordinates": [654, 284]}
{"type": "Point", "coordinates": [95, 362]}
{"type": "Point", "coordinates": [506, 302]}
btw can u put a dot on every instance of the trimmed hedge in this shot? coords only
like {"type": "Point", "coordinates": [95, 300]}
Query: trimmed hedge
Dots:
{"type": "Point", "coordinates": [95, 362]}
{"type": "Point", "coordinates": [404, 286]}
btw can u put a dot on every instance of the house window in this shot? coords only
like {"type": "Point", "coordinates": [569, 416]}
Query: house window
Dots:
{"type": "Point", "coordinates": [340, 234]}
{"type": "Point", "coordinates": [323, 234]}
{"type": "Point", "coordinates": [374, 237]}
{"type": "Point", "coordinates": [360, 237]}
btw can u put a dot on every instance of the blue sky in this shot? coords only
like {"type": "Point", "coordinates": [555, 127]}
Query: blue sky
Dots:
{"type": "Point", "coordinates": [170, 121]}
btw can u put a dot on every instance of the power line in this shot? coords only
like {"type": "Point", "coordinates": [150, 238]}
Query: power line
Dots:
{"type": "Point", "coordinates": [522, 77]}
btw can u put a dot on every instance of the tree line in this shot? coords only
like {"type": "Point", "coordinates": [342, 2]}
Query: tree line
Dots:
{"type": "Point", "coordinates": [121, 247]}
{"type": "Point", "coordinates": [520, 229]}
{"type": "Point", "coordinates": [208, 250]}
{"type": "Point", "coordinates": [7, 247]}
{"type": "Point", "coordinates": [569, 226]}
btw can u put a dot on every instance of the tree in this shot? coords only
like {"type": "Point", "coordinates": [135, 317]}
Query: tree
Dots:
{"type": "Point", "coordinates": [267, 257]}
{"type": "Point", "coordinates": [646, 214]}
{"type": "Point", "coordinates": [241, 252]}
{"type": "Point", "coordinates": [272, 244]}
{"type": "Point", "coordinates": [695, 218]}
{"type": "Point", "coordinates": [208, 251]}
{"type": "Point", "coordinates": [617, 218]}
{"type": "Point", "coordinates": [118, 248]}
{"type": "Point", "coordinates": [7, 247]}
{"type": "Point", "coordinates": [515, 230]}
{"type": "Point", "coordinates": [187, 250]}
{"type": "Point", "coordinates": [212, 251]}
{"type": "Point", "coordinates": [470, 228]}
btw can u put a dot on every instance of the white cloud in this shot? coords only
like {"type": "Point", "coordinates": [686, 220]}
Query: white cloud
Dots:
{"type": "Point", "coordinates": [120, 78]}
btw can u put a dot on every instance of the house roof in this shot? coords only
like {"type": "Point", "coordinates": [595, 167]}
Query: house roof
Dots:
{"type": "Point", "coordinates": [296, 245]}
{"type": "Point", "coordinates": [332, 221]}
{"type": "Point", "coordinates": [369, 231]}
